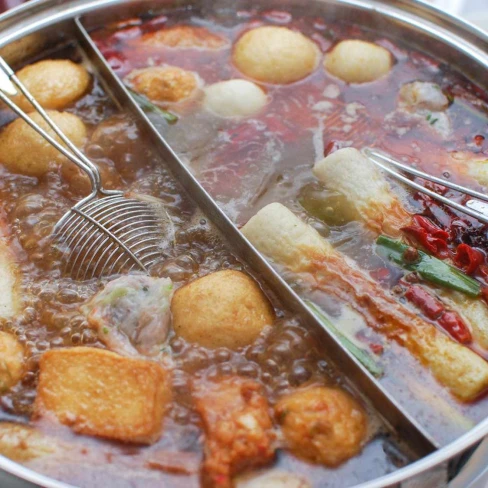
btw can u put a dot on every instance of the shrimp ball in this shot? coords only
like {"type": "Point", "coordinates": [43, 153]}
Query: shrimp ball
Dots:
{"type": "Point", "coordinates": [234, 98]}
{"type": "Point", "coordinates": [223, 309]}
{"type": "Point", "coordinates": [355, 61]}
{"type": "Point", "coordinates": [23, 150]}
{"type": "Point", "coordinates": [322, 425]}
{"type": "Point", "coordinates": [275, 55]}
{"type": "Point", "coordinates": [11, 361]}
{"type": "Point", "coordinates": [184, 36]}
{"type": "Point", "coordinates": [164, 84]}
{"type": "Point", "coordinates": [54, 83]}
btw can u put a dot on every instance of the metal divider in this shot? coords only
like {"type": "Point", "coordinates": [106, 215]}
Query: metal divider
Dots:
{"type": "Point", "coordinates": [395, 416]}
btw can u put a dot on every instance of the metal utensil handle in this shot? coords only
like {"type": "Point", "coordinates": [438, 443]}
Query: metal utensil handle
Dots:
{"type": "Point", "coordinates": [76, 156]}
{"type": "Point", "coordinates": [462, 208]}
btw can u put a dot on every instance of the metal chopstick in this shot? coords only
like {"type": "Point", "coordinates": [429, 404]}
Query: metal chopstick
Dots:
{"type": "Point", "coordinates": [377, 157]}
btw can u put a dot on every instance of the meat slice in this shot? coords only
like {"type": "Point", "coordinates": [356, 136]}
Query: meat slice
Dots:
{"type": "Point", "coordinates": [132, 314]}
{"type": "Point", "coordinates": [420, 95]}
{"type": "Point", "coordinates": [238, 429]}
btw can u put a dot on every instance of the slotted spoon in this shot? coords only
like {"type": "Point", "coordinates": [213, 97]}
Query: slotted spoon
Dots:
{"type": "Point", "coordinates": [108, 231]}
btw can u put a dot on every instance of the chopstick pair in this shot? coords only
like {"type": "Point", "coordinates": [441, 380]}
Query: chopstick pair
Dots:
{"type": "Point", "coordinates": [474, 208]}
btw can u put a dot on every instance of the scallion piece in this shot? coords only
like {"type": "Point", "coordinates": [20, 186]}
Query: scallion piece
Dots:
{"type": "Point", "coordinates": [146, 105]}
{"type": "Point", "coordinates": [429, 267]}
{"type": "Point", "coordinates": [361, 355]}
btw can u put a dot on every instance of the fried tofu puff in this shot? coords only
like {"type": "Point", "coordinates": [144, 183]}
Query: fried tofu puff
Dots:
{"type": "Point", "coordinates": [184, 37]}
{"type": "Point", "coordinates": [275, 55]}
{"type": "Point", "coordinates": [97, 392]}
{"type": "Point", "coordinates": [11, 361]}
{"type": "Point", "coordinates": [355, 61]}
{"type": "Point", "coordinates": [374, 202]}
{"type": "Point", "coordinates": [54, 83]}
{"type": "Point", "coordinates": [322, 425]}
{"type": "Point", "coordinates": [287, 240]}
{"type": "Point", "coordinates": [222, 309]}
{"type": "Point", "coordinates": [234, 98]}
{"type": "Point", "coordinates": [164, 84]}
{"type": "Point", "coordinates": [24, 151]}
{"type": "Point", "coordinates": [238, 428]}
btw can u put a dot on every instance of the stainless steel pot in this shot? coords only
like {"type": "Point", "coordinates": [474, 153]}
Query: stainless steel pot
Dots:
{"type": "Point", "coordinates": [30, 28]}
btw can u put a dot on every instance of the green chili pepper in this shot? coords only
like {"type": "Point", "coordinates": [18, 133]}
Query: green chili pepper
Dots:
{"type": "Point", "coordinates": [146, 105]}
{"type": "Point", "coordinates": [363, 356]}
{"type": "Point", "coordinates": [429, 267]}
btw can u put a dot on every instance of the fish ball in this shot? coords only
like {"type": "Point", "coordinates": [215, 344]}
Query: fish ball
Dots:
{"type": "Point", "coordinates": [322, 425]}
{"type": "Point", "coordinates": [23, 150]}
{"type": "Point", "coordinates": [275, 55]}
{"type": "Point", "coordinates": [234, 98]}
{"type": "Point", "coordinates": [222, 309]}
{"type": "Point", "coordinates": [164, 84]}
{"type": "Point", "coordinates": [355, 61]}
{"type": "Point", "coordinates": [54, 83]}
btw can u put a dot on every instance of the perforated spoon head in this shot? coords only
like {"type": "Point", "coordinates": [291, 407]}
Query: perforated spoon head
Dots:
{"type": "Point", "coordinates": [113, 234]}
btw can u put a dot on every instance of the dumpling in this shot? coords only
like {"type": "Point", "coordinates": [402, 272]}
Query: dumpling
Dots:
{"type": "Point", "coordinates": [132, 315]}
{"type": "Point", "coordinates": [54, 83]}
{"type": "Point", "coordinates": [222, 309]}
{"type": "Point", "coordinates": [355, 61]}
{"type": "Point", "coordinates": [164, 84]}
{"type": "Point", "coordinates": [322, 425]}
{"type": "Point", "coordinates": [23, 150]}
{"type": "Point", "coordinates": [234, 98]}
{"type": "Point", "coordinates": [275, 55]}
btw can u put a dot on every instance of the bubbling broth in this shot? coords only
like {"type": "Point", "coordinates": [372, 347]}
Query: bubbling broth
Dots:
{"type": "Point", "coordinates": [196, 374]}
{"type": "Point", "coordinates": [64, 327]}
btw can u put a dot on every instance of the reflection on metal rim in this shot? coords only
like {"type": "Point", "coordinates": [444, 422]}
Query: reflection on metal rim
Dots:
{"type": "Point", "coordinates": [466, 39]}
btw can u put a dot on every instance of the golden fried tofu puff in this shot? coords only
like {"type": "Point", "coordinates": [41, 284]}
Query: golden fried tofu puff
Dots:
{"type": "Point", "coordinates": [99, 393]}
{"type": "Point", "coordinates": [322, 425]}
{"type": "Point", "coordinates": [24, 151]}
{"type": "Point", "coordinates": [355, 61]}
{"type": "Point", "coordinates": [164, 84]}
{"type": "Point", "coordinates": [276, 55]}
{"type": "Point", "coordinates": [184, 37]}
{"type": "Point", "coordinates": [11, 361]}
{"type": "Point", "coordinates": [223, 309]}
{"type": "Point", "coordinates": [54, 83]}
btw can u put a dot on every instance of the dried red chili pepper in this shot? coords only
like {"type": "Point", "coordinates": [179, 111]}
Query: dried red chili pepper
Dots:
{"type": "Point", "coordinates": [428, 235]}
{"type": "Point", "coordinates": [434, 309]}
{"type": "Point", "coordinates": [430, 306]}
{"type": "Point", "coordinates": [467, 258]}
{"type": "Point", "coordinates": [430, 227]}
{"type": "Point", "coordinates": [454, 324]}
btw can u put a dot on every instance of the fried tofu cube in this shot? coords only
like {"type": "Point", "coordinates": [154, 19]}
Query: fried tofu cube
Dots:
{"type": "Point", "coordinates": [97, 392]}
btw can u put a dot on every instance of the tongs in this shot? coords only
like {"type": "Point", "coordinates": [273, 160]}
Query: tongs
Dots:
{"type": "Point", "coordinates": [106, 232]}
{"type": "Point", "coordinates": [474, 208]}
